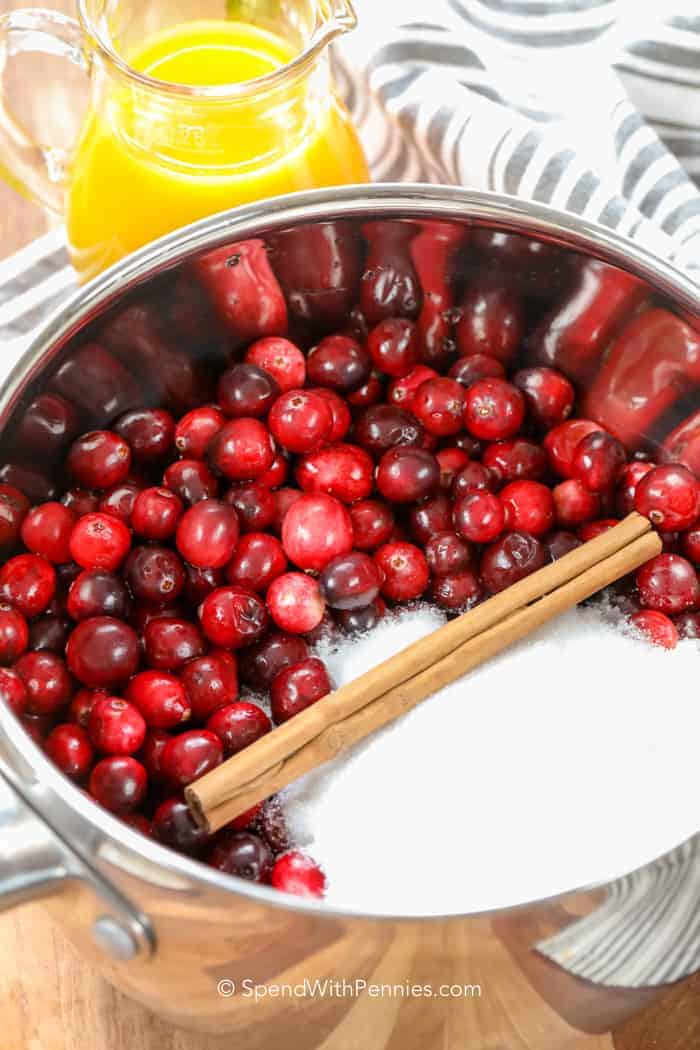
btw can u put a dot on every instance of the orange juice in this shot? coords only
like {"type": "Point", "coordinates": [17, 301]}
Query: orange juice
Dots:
{"type": "Point", "coordinates": [150, 161]}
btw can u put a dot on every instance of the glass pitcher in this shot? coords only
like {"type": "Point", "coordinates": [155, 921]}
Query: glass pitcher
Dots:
{"type": "Point", "coordinates": [195, 106]}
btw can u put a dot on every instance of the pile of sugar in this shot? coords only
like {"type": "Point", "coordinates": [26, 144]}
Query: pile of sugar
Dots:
{"type": "Point", "coordinates": [570, 759]}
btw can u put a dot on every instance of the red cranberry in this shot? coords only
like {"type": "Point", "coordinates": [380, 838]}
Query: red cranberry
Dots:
{"type": "Point", "coordinates": [593, 529]}
{"type": "Point", "coordinates": [340, 412]}
{"type": "Point", "coordinates": [238, 724]}
{"type": "Point", "coordinates": [276, 475]}
{"type": "Point", "coordinates": [295, 602]}
{"type": "Point", "coordinates": [149, 432]}
{"type": "Point", "coordinates": [155, 574]}
{"type": "Point", "coordinates": [598, 461]}
{"type": "Point", "coordinates": [189, 756]}
{"type": "Point", "coordinates": [382, 427]}
{"type": "Point", "coordinates": [656, 627]}
{"type": "Point", "coordinates": [69, 747]}
{"type": "Point", "coordinates": [260, 663]}
{"type": "Point", "coordinates": [99, 459]}
{"type": "Point", "coordinates": [401, 391]}
{"type": "Point", "coordinates": [468, 370]}
{"type": "Point", "coordinates": [372, 524]}
{"type": "Point", "coordinates": [316, 528]}
{"type": "Point", "coordinates": [480, 518]}
{"type": "Point", "coordinates": [155, 513]}
{"type": "Point", "coordinates": [46, 531]}
{"type": "Point", "coordinates": [28, 582]}
{"type": "Point", "coordinates": [447, 554]}
{"type": "Point", "coordinates": [244, 855]}
{"type": "Point", "coordinates": [143, 614]}
{"type": "Point", "coordinates": [82, 704]}
{"type": "Point", "coordinates": [119, 501]}
{"type": "Point", "coordinates": [207, 535]}
{"type": "Point", "coordinates": [246, 390]}
{"type": "Point", "coordinates": [259, 559]}
{"type": "Point", "coordinates": [196, 429]}
{"type": "Point", "coordinates": [450, 461]}
{"type": "Point", "coordinates": [668, 584]}
{"type": "Point", "coordinates": [439, 405]}
{"type": "Point", "coordinates": [170, 642]}
{"type": "Point", "coordinates": [232, 617]}
{"type": "Point", "coordinates": [254, 504]}
{"type": "Point", "coordinates": [350, 581]}
{"type": "Point", "coordinates": [627, 483]}
{"type": "Point", "coordinates": [343, 471]}
{"type": "Point", "coordinates": [370, 393]}
{"type": "Point", "coordinates": [562, 442]}
{"type": "Point", "coordinates": [119, 783]}
{"type": "Point", "coordinates": [100, 541]}
{"type": "Point", "coordinates": [284, 498]}
{"type": "Point", "coordinates": [50, 633]}
{"type": "Point", "coordinates": [405, 475]}
{"type": "Point", "coordinates": [516, 460]}
{"type": "Point", "coordinates": [273, 826]}
{"type": "Point", "coordinates": [474, 477]}
{"type": "Point", "coordinates": [574, 504]}
{"type": "Point", "coordinates": [357, 621]}
{"type": "Point", "coordinates": [80, 501]}
{"type": "Point", "coordinates": [298, 687]}
{"type": "Point", "coordinates": [37, 727]}
{"type": "Point", "coordinates": [510, 559]}
{"type": "Point", "coordinates": [340, 363]}
{"type": "Point", "coordinates": [690, 545]}
{"type": "Point", "coordinates": [494, 409]}
{"type": "Point", "coordinates": [430, 516]}
{"type": "Point", "coordinates": [670, 497]}
{"type": "Point", "coordinates": [98, 593]}
{"type": "Point", "coordinates": [393, 346]}
{"type": "Point", "coordinates": [529, 507]}
{"type": "Point", "coordinates": [297, 873]}
{"type": "Point", "coordinates": [687, 625]}
{"type": "Point", "coordinates": [174, 826]}
{"type": "Point", "coordinates": [200, 582]}
{"type": "Point", "coordinates": [151, 753]}
{"type": "Point", "coordinates": [191, 480]}
{"type": "Point", "coordinates": [13, 507]}
{"type": "Point", "coordinates": [210, 682]}
{"type": "Point", "coordinates": [14, 634]}
{"type": "Point", "coordinates": [301, 421]}
{"type": "Point", "coordinates": [456, 591]}
{"type": "Point", "coordinates": [283, 360]}
{"type": "Point", "coordinates": [102, 652]}
{"type": "Point", "coordinates": [242, 449]}
{"type": "Point", "coordinates": [469, 444]}
{"type": "Point", "coordinates": [116, 727]}
{"type": "Point", "coordinates": [160, 697]}
{"type": "Point", "coordinates": [405, 571]}
{"type": "Point", "coordinates": [13, 691]}
{"type": "Point", "coordinates": [548, 393]}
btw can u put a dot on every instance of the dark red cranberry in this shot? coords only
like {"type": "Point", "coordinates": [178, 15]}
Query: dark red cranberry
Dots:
{"type": "Point", "coordinates": [690, 545]}
{"type": "Point", "coordinates": [468, 370]}
{"type": "Point", "coordinates": [210, 682]}
{"type": "Point", "coordinates": [510, 559]}
{"type": "Point", "coordinates": [189, 756]}
{"type": "Point", "coordinates": [13, 508]}
{"type": "Point", "coordinates": [174, 826]}
{"type": "Point", "coordinates": [14, 634]}
{"type": "Point", "coordinates": [199, 583]}
{"type": "Point", "coordinates": [516, 460]}
{"type": "Point", "coordinates": [561, 444]}
{"type": "Point", "coordinates": [196, 429]}
{"type": "Point", "coordinates": [238, 724]}
{"type": "Point", "coordinates": [357, 621]}
{"type": "Point", "coordinates": [254, 504]}
{"type": "Point", "coordinates": [284, 498]}
{"type": "Point", "coordinates": [298, 687]}
{"type": "Point", "coordinates": [656, 627]}
{"type": "Point", "coordinates": [494, 409]}
{"type": "Point", "coordinates": [244, 855]}
{"type": "Point", "coordinates": [46, 531]}
{"type": "Point", "coordinates": [439, 405]}
{"type": "Point", "coordinates": [448, 554]}
{"type": "Point", "coordinates": [340, 412]}
{"type": "Point", "coordinates": [372, 524]}
{"type": "Point", "coordinates": [155, 513]}
{"type": "Point", "coordinates": [340, 363]}
{"type": "Point", "coordinates": [574, 504]}
{"type": "Point", "coordinates": [206, 536]}
{"type": "Point", "coordinates": [246, 390]}
{"type": "Point", "coordinates": [160, 697]}
{"type": "Point", "coordinates": [37, 727]}
{"type": "Point", "coordinates": [34, 483]}
{"type": "Point", "coordinates": [139, 823]}
{"type": "Point", "coordinates": [431, 516]}
{"type": "Point", "coordinates": [149, 431]}
{"type": "Point", "coordinates": [277, 474]}
{"type": "Point", "coordinates": [119, 501]}
{"type": "Point", "coordinates": [151, 753]}
{"type": "Point", "coordinates": [343, 471]}
{"type": "Point", "coordinates": [232, 617]}
{"type": "Point", "coordinates": [13, 691]}
{"type": "Point", "coordinates": [50, 633]}
{"type": "Point", "coordinates": [450, 460]}
{"type": "Point", "coordinates": [668, 584]}
{"type": "Point", "coordinates": [191, 480]}
{"type": "Point", "coordinates": [98, 593]}
{"type": "Point", "coordinates": [99, 459]}
{"type": "Point", "coordinates": [370, 393]}
{"type": "Point", "coordinates": [474, 477]}
{"type": "Point", "coordinates": [102, 652]}
{"type": "Point", "coordinates": [598, 461]}
{"type": "Point", "coordinates": [402, 391]}
{"type": "Point", "coordinates": [627, 483]}
{"type": "Point", "coordinates": [80, 501]}
{"type": "Point", "coordinates": [480, 517]}
{"type": "Point", "coordinates": [242, 449]}
{"type": "Point", "coordinates": [297, 873]}
{"type": "Point", "coordinates": [301, 421]}
{"type": "Point", "coordinates": [350, 581]}
{"type": "Point", "coordinates": [382, 427]}
{"type": "Point", "coordinates": [143, 614]}
{"type": "Point", "coordinates": [116, 727]}
{"type": "Point", "coordinates": [406, 475]}
{"type": "Point", "coordinates": [100, 541]}
{"type": "Point", "coordinates": [273, 825]}
{"type": "Point", "coordinates": [259, 559]}
{"type": "Point", "coordinates": [670, 497]}
{"type": "Point", "coordinates": [119, 783]}
{"type": "Point", "coordinates": [170, 642]}
{"type": "Point", "coordinates": [281, 359]}
{"type": "Point", "coordinates": [28, 582]}
{"type": "Point", "coordinates": [155, 574]}
{"type": "Point", "coordinates": [456, 591]}
{"type": "Point", "coordinates": [393, 346]}
{"type": "Point", "coordinates": [82, 704]}
{"type": "Point", "coordinates": [316, 528]}
{"type": "Point", "coordinates": [529, 507]}
{"type": "Point", "coordinates": [260, 663]}
{"type": "Point", "coordinates": [405, 571]}
{"type": "Point", "coordinates": [295, 602]}
{"type": "Point", "coordinates": [68, 746]}
{"type": "Point", "coordinates": [687, 625]}
{"type": "Point", "coordinates": [470, 445]}
{"type": "Point", "coordinates": [548, 393]}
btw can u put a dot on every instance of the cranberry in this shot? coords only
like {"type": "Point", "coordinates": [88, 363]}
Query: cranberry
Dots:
{"type": "Point", "coordinates": [574, 504]}
{"type": "Point", "coordinates": [272, 825]}
{"type": "Point", "coordinates": [630, 477]}
{"type": "Point", "coordinates": [560, 543]}
{"type": "Point", "coordinates": [99, 459]}
{"type": "Point", "coordinates": [656, 627]}
{"type": "Point", "coordinates": [46, 531]}
{"type": "Point", "coordinates": [174, 826]}
{"type": "Point", "coordinates": [529, 507]}
{"type": "Point", "coordinates": [191, 480]}
{"type": "Point", "coordinates": [28, 582]}
{"type": "Point", "coordinates": [80, 501]}
{"type": "Point", "coordinates": [494, 409]}
{"type": "Point", "coordinates": [139, 823]}
{"type": "Point", "coordinates": [510, 559]}
{"type": "Point", "coordinates": [37, 727]}
{"type": "Point", "coordinates": [480, 517]}
{"type": "Point", "coordinates": [548, 393]}
{"type": "Point", "coordinates": [69, 747]}
{"type": "Point", "coordinates": [382, 427]}
{"type": "Point", "coordinates": [298, 687]}
{"type": "Point", "coordinates": [468, 370]}
{"type": "Point", "coordinates": [315, 529]}
{"type": "Point", "coordinates": [259, 559]}
{"type": "Point", "coordinates": [246, 390]}
{"type": "Point", "coordinates": [260, 663]}
{"type": "Point", "coordinates": [244, 855]}
{"type": "Point", "coordinates": [245, 821]}
{"type": "Point", "coordinates": [189, 756]}
{"type": "Point", "coordinates": [297, 873]}
{"type": "Point", "coordinates": [82, 704]}
{"type": "Point", "coordinates": [350, 581]}
{"type": "Point", "coordinates": [562, 442]}
{"type": "Point", "coordinates": [206, 536]}
{"type": "Point", "coordinates": [474, 477]}
{"type": "Point", "coordinates": [200, 582]}
{"type": "Point", "coordinates": [210, 682]}
{"type": "Point", "coordinates": [593, 529]}
{"type": "Point", "coordinates": [119, 501]}
{"type": "Point", "coordinates": [254, 504]}
{"type": "Point", "coordinates": [372, 524]}
{"type": "Point", "coordinates": [670, 497]}
{"type": "Point", "coordinates": [155, 513]}
{"type": "Point", "coordinates": [100, 541]}
{"type": "Point", "coordinates": [456, 591]}
{"type": "Point", "coordinates": [13, 691]}
{"type": "Point", "coordinates": [687, 625]}
{"type": "Point", "coordinates": [343, 471]}
{"type": "Point", "coordinates": [405, 475]}
{"type": "Point", "coordinates": [170, 642]}
{"type": "Point", "coordinates": [370, 393]}
{"type": "Point", "coordinates": [14, 634]}
{"type": "Point", "coordinates": [276, 475]}
{"type": "Point", "coordinates": [232, 617]}
{"type": "Point", "coordinates": [196, 429]}
{"type": "Point", "coordinates": [242, 449]}
{"type": "Point", "coordinates": [238, 724]}
{"type": "Point", "coordinates": [13, 507]}
{"type": "Point", "coordinates": [98, 593]}
{"type": "Point", "coordinates": [598, 461]}
{"type": "Point", "coordinates": [340, 412]}
{"type": "Point", "coordinates": [116, 727]}
{"type": "Point", "coordinates": [151, 753]}
{"type": "Point", "coordinates": [393, 346]}
{"type": "Point", "coordinates": [401, 391]}
{"type": "Point", "coordinates": [119, 783]}
{"type": "Point", "coordinates": [284, 499]}
{"type": "Point", "coordinates": [516, 460]}
{"type": "Point", "coordinates": [160, 697]}
{"type": "Point", "coordinates": [668, 584]}
{"type": "Point", "coordinates": [447, 554]}
{"type": "Point", "coordinates": [295, 602]}
{"type": "Point", "coordinates": [450, 460]}
{"type": "Point", "coordinates": [102, 652]}
{"type": "Point", "coordinates": [439, 405]}
{"type": "Point", "coordinates": [301, 421]}
{"type": "Point", "coordinates": [149, 431]}
{"type": "Point", "coordinates": [155, 574]}
{"type": "Point", "coordinates": [470, 445]}
{"type": "Point", "coordinates": [50, 633]}
{"type": "Point", "coordinates": [430, 516]}
{"type": "Point", "coordinates": [338, 362]}
{"type": "Point", "coordinates": [690, 545]}
{"type": "Point", "coordinates": [405, 571]}
{"type": "Point", "coordinates": [356, 621]}
{"type": "Point", "coordinates": [281, 359]}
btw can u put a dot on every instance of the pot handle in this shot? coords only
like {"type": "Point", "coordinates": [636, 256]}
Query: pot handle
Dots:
{"type": "Point", "coordinates": [36, 863]}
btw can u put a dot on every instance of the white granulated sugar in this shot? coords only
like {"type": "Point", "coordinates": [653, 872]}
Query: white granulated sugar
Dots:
{"type": "Point", "coordinates": [568, 760]}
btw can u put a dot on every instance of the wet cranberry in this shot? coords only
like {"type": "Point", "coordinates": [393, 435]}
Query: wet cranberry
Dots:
{"type": "Point", "coordinates": [196, 429]}
{"type": "Point", "coordinates": [574, 504]}
{"type": "Point", "coordinates": [81, 501]}
{"type": "Point", "coordinates": [494, 409]}
{"type": "Point", "coordinates": [254, 504]}
{"type": "Point", "coordinates": [370, 393]}
{"type": "Point", "coordinates": [340, 363]}
{"type": "Point", "coordinates": [598, 461]}
{"type": "Point", "coordinates": [100, 541]}
{"type": "Point", "coordinates": [401, 391]}
{"type": "Point", "coordinates": [206, 536]}
{"type": "Point", "coordinates": [160, 697]}
{"type": "Point", "coordinates": [155, 513]}
{"type": "Point", "coordinates": [382, 427]}
{"type": "Point", "coordinates": [68, 746]}
{"type": "Point", "coordinates": [548, 393]}
{"type": "Point", "coordinates": [191, 480]}
{"type": "Point", "coordinates": [439, 405]}
{"type": "Point", "coordinates": [116, 727]}
{"type": "Point", "coordinates": [155, 574]}
{"type": "Point", "coordinates": [301, 421]}
{"type": "Point", "coordinates": [670, 497]}
{"type": "Point", "coordinates": [260, 663]}
{"type": "Point", "coordinates": [273, 825]}
{"type": "Point", "coordinates": [431, 516]}
{"type": "Point", "coordinates": [690, 545]}
{"type": "Point", "coordinates": [668, 584]}
{"type": "Point", "coordinates": [170, 642]}
{"type": "Point", "coordinates": [14, 634]}
{"type": "Point", "coordinates": [28, 582]}
{"type": "Point", "coordinates": [295, 602]}
{"type": "Point", "coordinates": [232, 617]}
{"type": "Point", "coordinates": [562, 442]}
{"type": "Point", "coordinates": [316, 528]}
{"type": "Point", "coordinates": [406, 475]}
{"type": "Point", "coordinates": [687, 625]}
{"type": "Point", "coordinates": [119, 783]}
{"type": "Point", "coordinates": [189, 756]}
{"type": "Point", "coordinates": [13, 691]}
{"type": "Point", "coordinates": [50, 633]}
{"type": "Point", "coordinates": [343, 471]}
{"type": "Point", "coordinates": [510, 559]}
{"type": "Point", "coordinates": [46, 531]}
{"type": "Point", "coordinates": [174, 826]}
{"type": "Point", "coordinates": [357, 621]}
{"type": "Point", "coordinates": [99, 459]}
{"type": "Point", "coordinates": [557, 544]}
{"type": "Point", "coordinates": [242, 449]}
{"type": "Point", "coordinates": [529, 507]}
{"type": "Point", "coordinates": [516, 460]}
{"type": "Point", "coordinates": [238, 724]}
{"type": "Point", "coordinates": [372, 524]}
{"type": "Point", "coordinates": [456, 591]}
{"type": "Point", "coordinates": [297, 873]}
{"type": "Point", "coordinates": [350, 581]}
{"type": "Point", "coordinates": [393, 346]}
{"type": "Point", "coordinates": [259, 559]}
{"type": "Point", "coordinates": [102, 652]}
{"type": "Point", "coordinates": [405, 571]}
{"type": "Point", "coordinates": [98, 593]}
{"type": "Point", "coordinates": [244, 855]}
{"type": "Point", "coordinates": [447, 554]}
{"type": "Point", "coordinates": [13, 508]}
{"type": "Point", "coordinates": [480, 517]}
{"type": "Point", "coordinates": [340, 412]}
{"type": "Point", "coordinates": [276, 475]}
{"type": "Point", "coordinates": [468, 370]}
{"type": "Point", "coordinates": [246, 390]}
{"type": "Point", "coordinates": [210, 682]}
{"type": "Point", "coordinates": [149, 431]}
{"type": "Point", "coordinates": [298, 687]}
{"type": "Point", "coordinates": [627, 483]}
{"type": "Point", "coordinates": [474, 477]}
{"type": "Point", "coordinates": [281, 359]}
{"type": "Point", "coordinates": [119, 501]}
{"type": "Point", "coordinates": [655, 627]}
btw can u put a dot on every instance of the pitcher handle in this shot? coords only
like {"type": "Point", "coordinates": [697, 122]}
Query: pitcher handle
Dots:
{"type": "Point", "coordinates": [36, 170]}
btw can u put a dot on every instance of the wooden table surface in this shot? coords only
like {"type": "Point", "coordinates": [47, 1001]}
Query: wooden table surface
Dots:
{"type": "Point", "coordinates": [50, 1000]}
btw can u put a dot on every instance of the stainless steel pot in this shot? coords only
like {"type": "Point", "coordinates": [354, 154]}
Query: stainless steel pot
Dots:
{"type": "Point", "coordinates": [168, 930]}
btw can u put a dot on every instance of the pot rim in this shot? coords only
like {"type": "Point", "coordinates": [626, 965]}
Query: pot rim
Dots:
{"type": "Point", "coordinates": [21, 760]}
